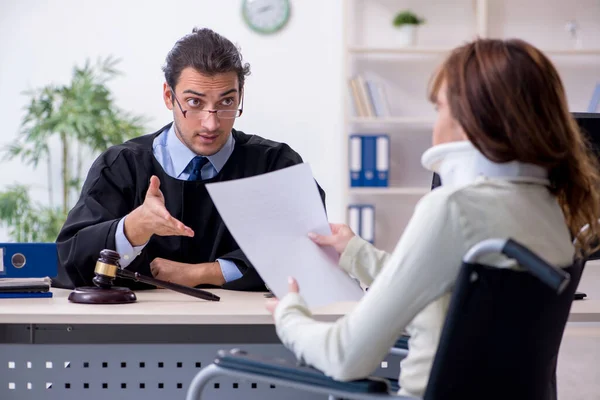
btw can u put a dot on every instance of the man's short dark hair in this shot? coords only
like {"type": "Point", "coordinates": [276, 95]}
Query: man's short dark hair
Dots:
{"type": "Point", "coordinates": [208, 53]}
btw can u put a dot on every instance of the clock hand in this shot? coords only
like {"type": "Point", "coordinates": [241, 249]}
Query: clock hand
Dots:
{"type": "Point", "coordinates": [263, 9]}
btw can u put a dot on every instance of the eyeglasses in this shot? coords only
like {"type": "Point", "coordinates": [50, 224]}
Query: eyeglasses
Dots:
{"type": "Point", "coordinates": [203, 114]}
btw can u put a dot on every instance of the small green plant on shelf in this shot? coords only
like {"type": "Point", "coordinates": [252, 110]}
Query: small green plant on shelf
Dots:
{"type": "Point", "coordinates": [407, 22]}
{"type": "Point", "coordinates": [407, 18]}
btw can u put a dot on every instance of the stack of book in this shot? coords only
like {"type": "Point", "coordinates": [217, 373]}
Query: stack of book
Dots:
{"type": "Point", "coordinates": [25, 287]}
{"type": "Point", "coordinates": [368, 98]}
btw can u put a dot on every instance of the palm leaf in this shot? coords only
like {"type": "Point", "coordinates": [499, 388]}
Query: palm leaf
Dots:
{"type": "Point", "coordinates": [81, 111]}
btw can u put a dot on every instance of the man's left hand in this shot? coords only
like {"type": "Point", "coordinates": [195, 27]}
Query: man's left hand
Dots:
{"type": "Point", "coordinates": [274, 302]}
{"type": "Point", "coordinates": [173, 271]}
{"type": "Point", "coordinates": [187, 274]}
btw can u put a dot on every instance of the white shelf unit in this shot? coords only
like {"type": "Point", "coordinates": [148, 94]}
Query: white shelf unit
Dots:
{"type": "Point", "coordinates": [405, 72]}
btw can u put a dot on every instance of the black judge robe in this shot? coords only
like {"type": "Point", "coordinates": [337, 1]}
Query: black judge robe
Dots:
{"type": "Point", "coordinates": [117, 183]}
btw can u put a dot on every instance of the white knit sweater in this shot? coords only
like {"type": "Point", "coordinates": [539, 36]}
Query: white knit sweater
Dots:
{"type": "Point", "coordinates": [410, 288]}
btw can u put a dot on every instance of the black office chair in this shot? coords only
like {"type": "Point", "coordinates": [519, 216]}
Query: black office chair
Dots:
{"type": "Point", "coordinates": [500, 339]}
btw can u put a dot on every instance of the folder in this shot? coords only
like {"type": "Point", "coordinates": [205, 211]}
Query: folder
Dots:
{"type": "Point", "coordinates": [382, 164]}
{"type": "Point", "coordinates": [355, 160]}
{"type": "Point", "coordinates": [367, 223]}
{"type": "Point", "coordinates": [354, 218]}
{"type": "Point", "coordinates": [361, 219]}
{"type": "Point", "coordinates": [28, 260]}
{"type": "Point", "coordinates": [21, 295]}
{"type": "Point", "coordinates": [369, 155]}
{"type": "Point", "coordinates": [26, 269]}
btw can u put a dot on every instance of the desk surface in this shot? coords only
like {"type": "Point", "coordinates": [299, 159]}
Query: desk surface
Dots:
{"type": "Point", "coordinates": [588, 310]}
{"type": "Point", "coordinates": [164, 307]}
{"type": "Point", "coordinates": [152, 307]}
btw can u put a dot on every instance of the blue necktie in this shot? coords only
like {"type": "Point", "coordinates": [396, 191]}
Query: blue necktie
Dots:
{"type": "Point", "coordinates": [197, 163]}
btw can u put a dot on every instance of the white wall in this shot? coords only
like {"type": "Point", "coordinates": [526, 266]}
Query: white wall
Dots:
{"type": "Point", "coordinates": [293, 95]}
{"type": "Point", "coordinates": [297, 88]}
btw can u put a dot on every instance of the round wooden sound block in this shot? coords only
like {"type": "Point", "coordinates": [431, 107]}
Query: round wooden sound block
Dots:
{"type": "Point", "coordinates": [96, 295]}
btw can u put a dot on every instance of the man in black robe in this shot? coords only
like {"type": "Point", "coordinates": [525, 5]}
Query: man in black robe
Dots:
{"type": "Point", "coordinates": [147, 198]}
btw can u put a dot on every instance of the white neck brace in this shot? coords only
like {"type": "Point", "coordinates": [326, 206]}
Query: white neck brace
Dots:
{"type": "Point", "coordinates": [460, 163]}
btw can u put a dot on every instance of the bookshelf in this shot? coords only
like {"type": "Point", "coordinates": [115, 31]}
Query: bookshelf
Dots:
{"type": "Point", "coordinates": [404, 73]}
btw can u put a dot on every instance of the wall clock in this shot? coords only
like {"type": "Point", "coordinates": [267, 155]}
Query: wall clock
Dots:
{"type": "Point", "coordinates": [266, 16]}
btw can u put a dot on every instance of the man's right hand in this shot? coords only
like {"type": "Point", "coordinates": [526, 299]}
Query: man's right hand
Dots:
{"type": "Point", "coordinates": [153, 218]}
{"type": "Point", "coordinates": [339, 238]}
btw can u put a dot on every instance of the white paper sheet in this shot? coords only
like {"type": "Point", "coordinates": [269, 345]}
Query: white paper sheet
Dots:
{"type": "Point", "coordinates": [270, 216]}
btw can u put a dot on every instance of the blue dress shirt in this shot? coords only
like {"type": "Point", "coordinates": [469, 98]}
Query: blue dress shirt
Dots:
{"type": "Point", "coordinates": [175, 157]}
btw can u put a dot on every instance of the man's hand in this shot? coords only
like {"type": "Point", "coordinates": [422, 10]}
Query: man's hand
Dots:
{"type": "Point", "coordinates": [340, 236]}
{"type": "Point", "coordinates": [187, 274]}
{"type": "Point", "coordinates": [172, 271]}
{"type": "Point", "coordinates": [153, 218]}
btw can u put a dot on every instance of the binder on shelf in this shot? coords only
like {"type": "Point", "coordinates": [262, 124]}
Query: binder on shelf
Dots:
{"type": "Point", "coordinates": [355, 161]}
{"type": "Point", "coordinates": [361, 219]}
{"type": "Point", "coordinates": [367, 223]}
{"type": "Point", "coordinates": [369, 159]}
{"type": "Point", "coordinates": [354, 218]}
{"type": "Point", "coordinates": [382, 164]}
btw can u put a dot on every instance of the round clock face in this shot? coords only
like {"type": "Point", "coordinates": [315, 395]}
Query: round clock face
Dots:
{"type": "Point", "coordinates": [266, 16]}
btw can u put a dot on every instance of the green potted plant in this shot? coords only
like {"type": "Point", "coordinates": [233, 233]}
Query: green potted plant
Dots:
{"type": "Point", "coordinates": [407, 22]}
{"type": "Point", "coordinates": [84, 120]}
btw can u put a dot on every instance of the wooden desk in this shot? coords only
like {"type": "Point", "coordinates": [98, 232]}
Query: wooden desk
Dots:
{"type": "Point", "coordinates": [164, 307]}
{"type": "Point", "coordinates": [151, 349]}
{"type": "Point", "coordinates": [153, 307]}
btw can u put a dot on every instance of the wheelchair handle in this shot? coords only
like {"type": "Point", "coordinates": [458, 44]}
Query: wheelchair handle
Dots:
{"type": "Point", "coordinates": [555, 278]}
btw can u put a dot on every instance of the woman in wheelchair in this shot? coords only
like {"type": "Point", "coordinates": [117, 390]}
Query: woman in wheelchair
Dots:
{"type": "Point", "coordinates": [513, 164]}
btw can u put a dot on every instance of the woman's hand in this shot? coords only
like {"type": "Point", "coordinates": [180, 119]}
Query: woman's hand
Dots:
{"type": "Point", "coordinates": [341, 235]}
{"type": "Point", "coordinates": [274, 302]}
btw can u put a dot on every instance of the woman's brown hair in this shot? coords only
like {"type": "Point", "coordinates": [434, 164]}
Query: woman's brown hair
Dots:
{"type": "Point", "coordinates": [509, 100]}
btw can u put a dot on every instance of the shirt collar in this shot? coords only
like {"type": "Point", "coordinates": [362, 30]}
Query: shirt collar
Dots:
{"type": "Point", "coordinates": [181, 155]}
{"type": "Point", "coordinates": [460, 163]}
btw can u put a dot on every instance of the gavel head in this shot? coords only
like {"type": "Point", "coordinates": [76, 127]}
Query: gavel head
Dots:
{"type": "Point", "coordinates": [106, 269]}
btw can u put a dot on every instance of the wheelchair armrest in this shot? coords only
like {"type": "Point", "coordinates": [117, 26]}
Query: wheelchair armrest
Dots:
{"type": "Point", "coordinates": [400, 348]}
{"type": "Point", "coordinates": [281, 369]}
{"type": "Point", "coordinates": [402, 343]}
